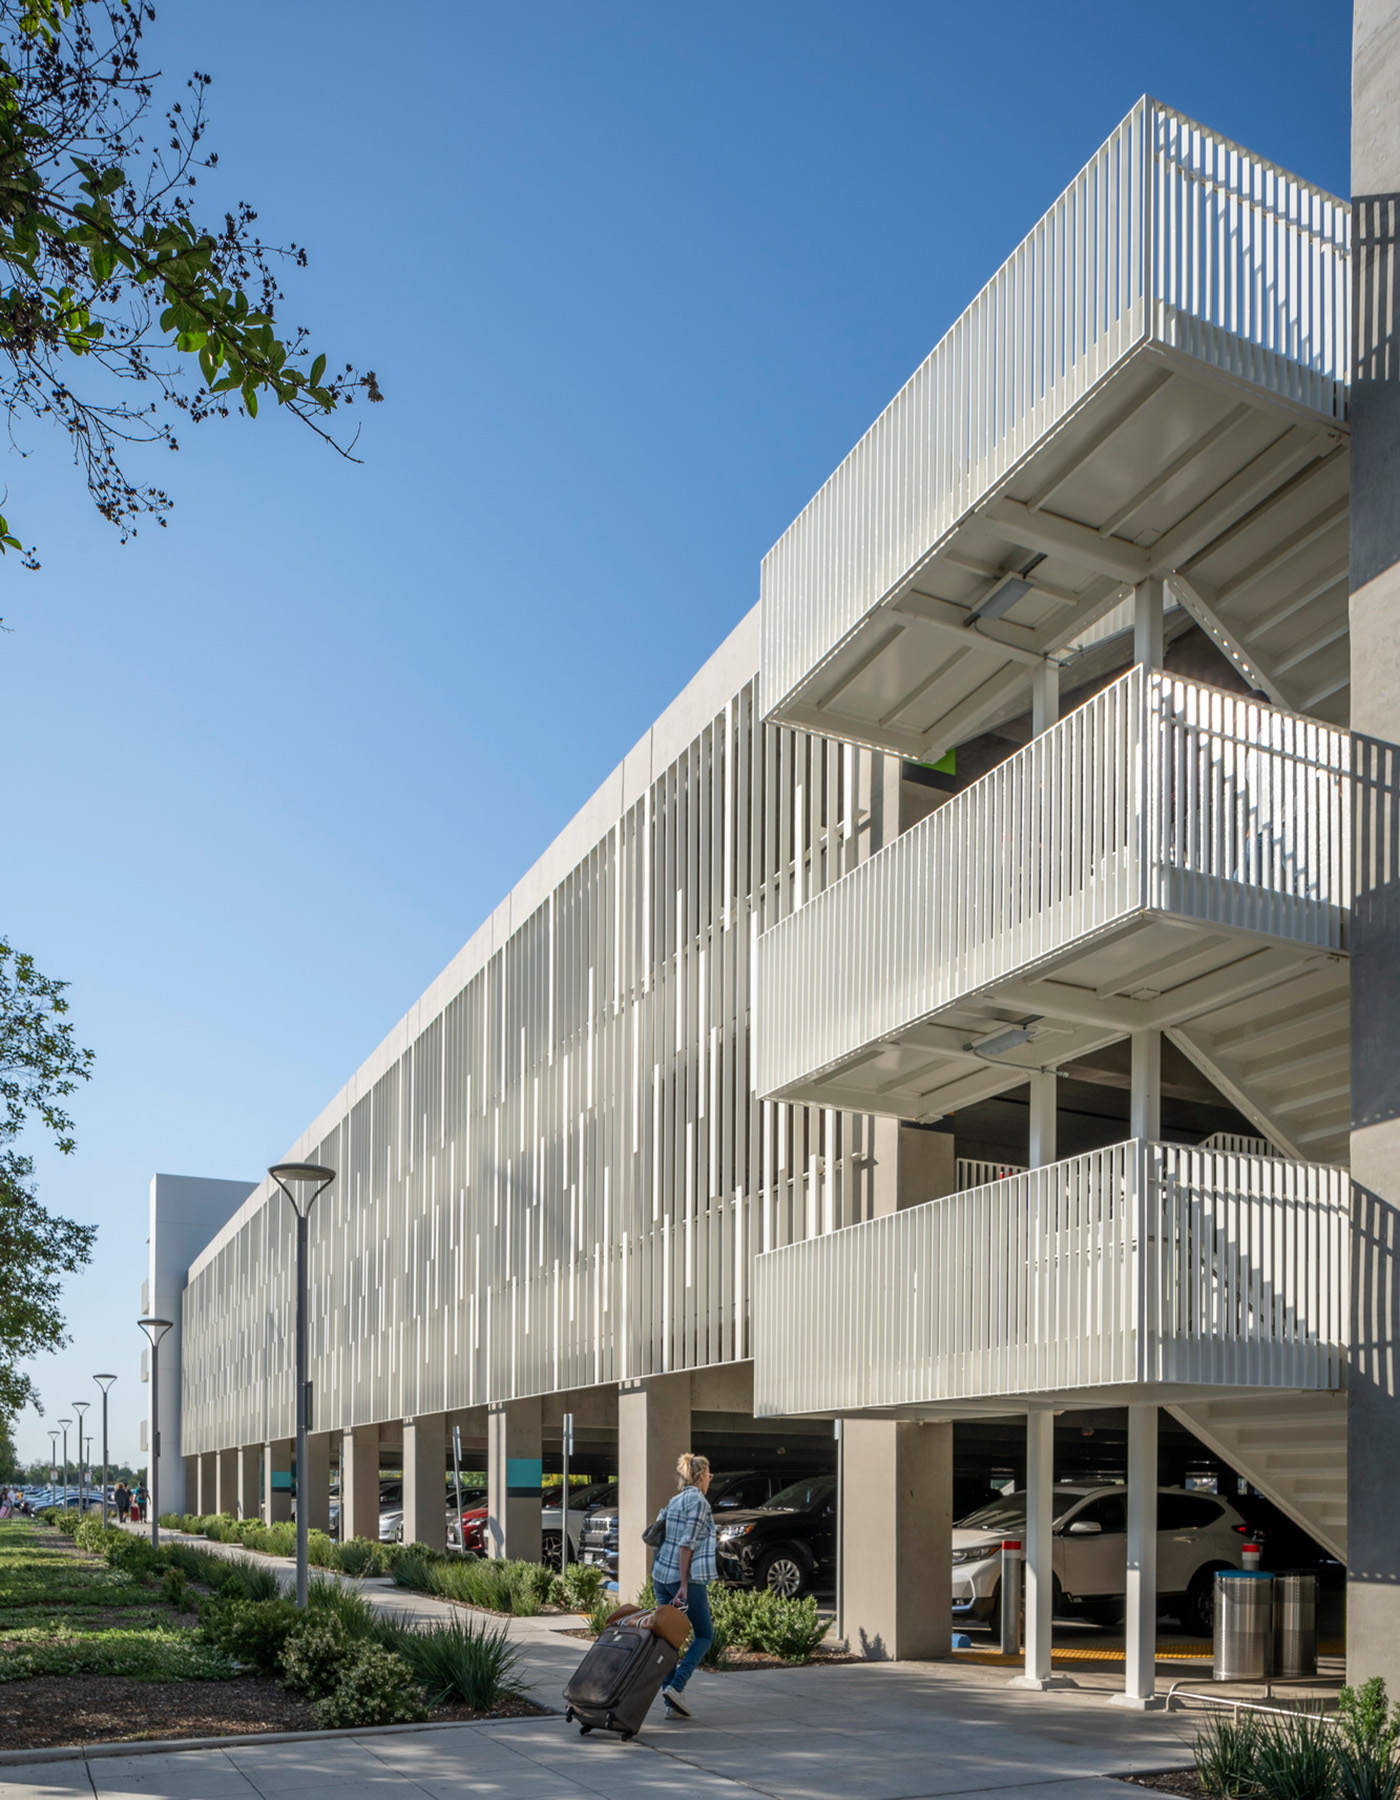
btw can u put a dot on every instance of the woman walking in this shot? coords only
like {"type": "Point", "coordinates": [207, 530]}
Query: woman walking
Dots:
{"type": "Point", "coordinates": [683, 1571]}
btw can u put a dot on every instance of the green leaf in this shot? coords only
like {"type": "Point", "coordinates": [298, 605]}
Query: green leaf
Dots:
{"type": "Point", "coordinates": [318, 369]}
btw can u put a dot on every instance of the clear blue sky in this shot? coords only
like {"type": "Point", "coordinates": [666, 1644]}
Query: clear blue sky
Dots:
{"type": "Point", "coordinates": [634, 278]}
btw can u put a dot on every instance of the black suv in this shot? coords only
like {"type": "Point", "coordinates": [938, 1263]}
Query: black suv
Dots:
{"type": "Point", "coordinates": [741, 1491]}
{"type": "Point", "coordinates": [787, 1545]}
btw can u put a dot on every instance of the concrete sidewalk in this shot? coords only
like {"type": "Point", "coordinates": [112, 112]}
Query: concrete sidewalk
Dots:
{"type": "Point", "coordinates": [855, 1731]}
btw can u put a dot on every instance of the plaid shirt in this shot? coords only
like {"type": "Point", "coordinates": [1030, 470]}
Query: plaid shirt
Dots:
{"type": "Point", "coordinates": [689, 1525]}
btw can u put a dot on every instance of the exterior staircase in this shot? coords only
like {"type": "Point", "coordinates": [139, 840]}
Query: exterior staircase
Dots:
{"type": "Point", "coordinates": [1292, 1447]}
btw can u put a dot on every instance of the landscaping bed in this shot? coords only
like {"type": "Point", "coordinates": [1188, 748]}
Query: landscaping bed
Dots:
{"type": "Point", "coordinates": [103, 1638]}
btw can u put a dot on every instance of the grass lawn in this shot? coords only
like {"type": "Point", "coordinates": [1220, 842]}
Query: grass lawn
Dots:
{"type": "Point", "coordinates": [63, 1612]}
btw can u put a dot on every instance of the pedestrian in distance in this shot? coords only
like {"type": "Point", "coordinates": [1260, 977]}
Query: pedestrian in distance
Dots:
{"type": "Point", "coordinates": [683, 1570]}
{"type": "Point", "coordinates": [139, 1502]}
{"type": "Point", "coordinates": [121, 1494]}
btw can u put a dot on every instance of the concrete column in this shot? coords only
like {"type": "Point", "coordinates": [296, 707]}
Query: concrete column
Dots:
{"type": "Point", "coordinates": [226, 1481]}
{"type": "Point", "coordinates": [425, 1481]}
{"type": "Point", "coordinates": [277, 1495]}
{"type": "Point", "coordinates": [204, 1484]}
{"type": "Point", "coordinates": [514, 1472]}
{"type": "Point", "coordinates": [1140, 1674]}
{"type": "Point", "coordinates": [359, 1483]}
{"type": "Point", "coordinates": [1045, 696]}
{"type": "Point", "coordinates": [1039, 1550]}
{"type": "Point", "coordinates": [249, 1480]}
{"type": "Point", "coordinates": [1145, 1100]}
{"type": "Point", "coordinates": [653, 1430]}
{"type": "Point", "coordinates": [314, 1482]}
{"type": "Point", "coordinates": [1148, 603]}
{"type": "Point", "coordinates": [1373, 1394]}
{"type": "Point", "coordinates": [1044, 1118]}
{"type": "Point", "coordinates": [896, 1527]}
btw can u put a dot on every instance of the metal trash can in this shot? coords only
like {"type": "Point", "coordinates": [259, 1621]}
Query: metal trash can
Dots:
{"type": "Point", "coordinates": [1295, 1625]}
{"type": "Point", "coordinates": [1244, 1625]}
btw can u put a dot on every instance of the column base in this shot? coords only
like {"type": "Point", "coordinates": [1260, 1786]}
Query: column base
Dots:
{"type": "Point", "coordinates": [1040, 1683]}
{"type": "Point", "coordinates": [1139, 1702]}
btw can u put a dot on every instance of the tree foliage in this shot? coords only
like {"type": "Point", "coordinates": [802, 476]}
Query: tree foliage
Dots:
{"type": "Point", "coordinates": [40, 1067]}
{"type": "Point", "coordinates": [122, 312]}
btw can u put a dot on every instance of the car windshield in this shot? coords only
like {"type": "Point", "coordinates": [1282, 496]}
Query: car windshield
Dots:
{"type": "Point", "coordinates": [799, 1496]}
{"type": "Point", "coordinates": [1010, 1510]}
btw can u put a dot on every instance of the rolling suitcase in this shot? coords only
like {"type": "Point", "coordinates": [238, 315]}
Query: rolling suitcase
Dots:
{"type": "Point", "coordinates": [615, 1684]}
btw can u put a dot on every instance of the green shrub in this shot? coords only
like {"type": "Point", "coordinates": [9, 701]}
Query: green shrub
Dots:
{"type": "Point", "coordinates": [1295, 1759]}
{"type": "Point", "coordinates": [496, 1583]}
{"type": "Point", "coordinates": [1227, 1753]}
{"type": "Point", "coordinates": [316, 1654]}
{"type": "Point", "coordinates": [67, 1519]}
{"type": "Point", "coordinates": [147, 1654]}
{"type": "Point", "coordinates": [411, 1571]}
{"type": "Point", "coordinates": [1366, 1719]}
{"type": "Point", "coordinates": [375, 1688]}
{"type": "Point", "coordinates": [172, 1521]}
{"type": "Point", "coordinates": [579, 1588]}
{"type": "Point", "coordinates": [463, 1660]}
{"type": "Point", "coordinates": [320, 1550]}
{"type": "Point", "coordinates": [359, 1556]}
{"type": "Point", "coordinates": [133, 1555]}
{"type": "Point", "coordinates": [174, 1588]}
{"type": "Point", "coordinates": [254, 1632]}
{"type": "Point", "coordinates": [254, 1581]}
{"type": "Point", "coordinates": [328, 1599]}
{"type": "Point", "coordinates": [599, 1611]}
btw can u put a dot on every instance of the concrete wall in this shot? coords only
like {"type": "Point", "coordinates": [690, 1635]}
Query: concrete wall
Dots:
{"type": "Point", "coordinates": [185, 1212]}
{"type": "Point", "coordinates": [1373, 1451]}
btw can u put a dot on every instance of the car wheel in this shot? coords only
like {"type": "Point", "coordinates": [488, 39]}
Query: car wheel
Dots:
{"type": "Point", "coordinates": [782, 1572]}
{"type": "Point", "coordinates": [549, 1549]}
{"type": "Point", "coordinates": [1200, 1604]}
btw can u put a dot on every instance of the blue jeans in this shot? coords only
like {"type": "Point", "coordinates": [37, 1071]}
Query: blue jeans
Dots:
{"type": "Point", "coordinates": [697, 1609]}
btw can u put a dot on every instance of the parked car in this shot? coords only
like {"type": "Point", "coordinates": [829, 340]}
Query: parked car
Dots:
{"type": "Point", "coordinates": [787, 1545]}
{"type": "Point", "coordinates": [1196, 1535]}
{"type": "Point", "coordinates": [734, 1492]}
{"type": "Point", "coordinates": [391, 1512]}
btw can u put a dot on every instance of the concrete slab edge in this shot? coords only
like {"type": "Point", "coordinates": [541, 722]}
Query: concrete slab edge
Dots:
{"type": "Point", "coordinates": [160, 1746]}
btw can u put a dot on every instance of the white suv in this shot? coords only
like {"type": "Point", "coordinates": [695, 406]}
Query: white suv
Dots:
{"type": "Point", "coordinates": [1197, 1534]}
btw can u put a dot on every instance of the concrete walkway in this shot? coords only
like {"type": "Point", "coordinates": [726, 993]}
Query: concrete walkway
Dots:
{"type": "Point", "coordinates": [863, 1731]}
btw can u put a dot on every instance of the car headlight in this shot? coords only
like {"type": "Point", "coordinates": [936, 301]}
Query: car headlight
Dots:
{"type": "Point", "coordinates": [979, 1553]}
{"type": "Point", "coordinates": [729, 1532]}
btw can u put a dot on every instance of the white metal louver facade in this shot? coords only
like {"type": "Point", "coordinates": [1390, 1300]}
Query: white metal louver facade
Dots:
{"type": "Point", "coordinates": [558, 1173]}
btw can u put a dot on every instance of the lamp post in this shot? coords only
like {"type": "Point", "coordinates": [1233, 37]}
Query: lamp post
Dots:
{"type": "Point", "coordinates": [155, 1330]}
{"type": "Point", "coordinates": [80, 1407]}
{"type": "Point", "coordinates": [104, 1382]}
{"type": "Point", "coordinates": [53, 1459]}
{"type": "Point", "coordinates": [302, 1183]}
{"type": "Point", "coordinates": [65, 1423]}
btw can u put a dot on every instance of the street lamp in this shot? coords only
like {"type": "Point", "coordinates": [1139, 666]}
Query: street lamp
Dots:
{"type": "Point", "coordinates": [302, 1183]}
{"type": "Point", "coordinates": [80, 1407]}
{"type": "Point", "coordinates": [155, 1330]}
{"type": "Point", "coordinates": [65, 1423]}
{"type": "Point", "coordinates": [104, 1382]}
{"type": "Point", "coordinates": [53, 1460]}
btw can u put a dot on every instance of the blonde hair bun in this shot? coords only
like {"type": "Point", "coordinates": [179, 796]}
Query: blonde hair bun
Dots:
{"type": "Point", "coordinates": [691, 1468]}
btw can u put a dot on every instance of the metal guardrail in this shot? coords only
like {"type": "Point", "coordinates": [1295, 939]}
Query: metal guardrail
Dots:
{"type": "Point", "coordinates": [1142, 1262]}
{"type": "Point", "coordinates": [1170, 233]}
{"type": "Point", "coordinates": [1157, 792]}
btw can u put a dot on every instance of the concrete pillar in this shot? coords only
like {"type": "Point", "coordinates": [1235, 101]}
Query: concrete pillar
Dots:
{"type": "Point", "coordinates": [1373, 1394]}
{"type": "Point", "coordinates": [1039, 1552]}
{"type": "Point", "coordinates": [359, 1483]}
{"type": "Point", "coordinates": [249, 1480]}
{"type": "Point", "coordinates": [1148, 603]}
{"type": "Point", "coordinates": [513, 1475]}
{"type": "Point", "coordinates": [204, 1484]}
{"type": "Point", "coordinates": [314, 1491]}
{"type": "Point", "coordinates": [1044, 1117]}
{"type": "Point", "coordinates": [226, 1482]}
{"type": "Point", "coordinates": [425, 1480]}
{"type": "Point", "coordinates": [1045, 696]}
{"type": "Point", "coordinates": [277, 1491]}
{"type": "Point", "coordinates": [896, 1527]}
{"type": "Point", "coordinates": [653, 1430]}
{"type": "Point", "coordinates": [1145, 1099]}
{"type": "Point", "coordinates": [1140, 1626]}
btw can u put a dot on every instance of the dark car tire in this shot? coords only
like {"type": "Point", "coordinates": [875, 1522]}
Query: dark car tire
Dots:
{"type": "Point", "coordinates": [1198, 1614]}
{"type": "Point", "coordinates": [784, 1571]}
{"type": "Point", "coordinates": [549, 1549]}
